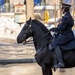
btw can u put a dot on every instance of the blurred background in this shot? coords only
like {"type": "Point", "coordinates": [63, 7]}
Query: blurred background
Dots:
{"type": "Point", "coordinates": [13, 15]}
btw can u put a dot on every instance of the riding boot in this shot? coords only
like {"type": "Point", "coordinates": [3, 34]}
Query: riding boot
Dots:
{"type": "Point", "coordinates": [59, 57]}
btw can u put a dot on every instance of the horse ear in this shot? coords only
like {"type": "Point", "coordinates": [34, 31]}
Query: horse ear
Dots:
{"type": "Point", "coordinates": [30, 19]}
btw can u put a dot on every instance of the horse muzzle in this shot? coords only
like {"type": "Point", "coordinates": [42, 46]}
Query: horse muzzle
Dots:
{"type": "Point", "coordinates": [20, 39]}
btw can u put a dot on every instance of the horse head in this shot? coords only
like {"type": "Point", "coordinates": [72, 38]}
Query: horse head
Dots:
{"type": "Point", "coordinates": [26, 32]}
{"type": "Point", "coordinates": [37, 30]}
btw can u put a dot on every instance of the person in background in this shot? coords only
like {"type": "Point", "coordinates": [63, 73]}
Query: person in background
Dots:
{"type": "Point", "coordinates": [64, 29]}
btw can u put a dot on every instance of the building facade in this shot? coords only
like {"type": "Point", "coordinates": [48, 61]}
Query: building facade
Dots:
{"type": "Point", "coordinates": [8, 5]}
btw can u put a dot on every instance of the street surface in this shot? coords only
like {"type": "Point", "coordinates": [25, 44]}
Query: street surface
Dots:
{"type": "Point", "coordinates": [9, 49]}
{"type": "Point", "coordinates": [29, 69]}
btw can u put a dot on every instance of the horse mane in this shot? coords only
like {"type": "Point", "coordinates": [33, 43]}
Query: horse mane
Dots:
{"type": "Point", "coordinates": [41, 25]}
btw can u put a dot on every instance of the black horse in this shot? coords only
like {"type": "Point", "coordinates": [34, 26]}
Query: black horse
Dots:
{"type": "Point", "coordinates": [41, 38]}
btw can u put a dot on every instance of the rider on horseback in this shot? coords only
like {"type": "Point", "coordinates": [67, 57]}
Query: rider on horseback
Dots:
{"type": "Point", "coordinates": [65, 33]}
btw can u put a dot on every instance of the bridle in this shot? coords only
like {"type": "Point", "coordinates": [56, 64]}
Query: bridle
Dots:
{"type": "Point", "coordinates": [26, 33]}
{"type": "Point", "coordinates": [31, 38]}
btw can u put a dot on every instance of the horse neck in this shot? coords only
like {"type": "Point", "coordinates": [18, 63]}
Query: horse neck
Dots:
{"type": "Point", "coordinates": [38, 33]}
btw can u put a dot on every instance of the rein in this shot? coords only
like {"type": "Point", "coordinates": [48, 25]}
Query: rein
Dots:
{"type": "Point", "coordinates": [42, 37]}
{"type": "Point", "coordinates": [38, 39]}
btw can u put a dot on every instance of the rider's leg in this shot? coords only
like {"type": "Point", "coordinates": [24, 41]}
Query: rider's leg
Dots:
{"type": "Point", "coordinates": [59, 57]}
{"type": "Point", "coordinates": [58, 53]}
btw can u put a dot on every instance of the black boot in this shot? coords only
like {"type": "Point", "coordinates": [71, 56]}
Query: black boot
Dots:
{"type": "Point", "coordinates": [59, 57]}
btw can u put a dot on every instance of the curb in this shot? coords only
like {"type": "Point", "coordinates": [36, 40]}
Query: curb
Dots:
{"type": "Point", "coordinates": [15, 61]}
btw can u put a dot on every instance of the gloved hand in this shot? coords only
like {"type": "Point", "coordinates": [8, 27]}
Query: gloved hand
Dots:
{"type": "Point", "coordinates": [52, 29]}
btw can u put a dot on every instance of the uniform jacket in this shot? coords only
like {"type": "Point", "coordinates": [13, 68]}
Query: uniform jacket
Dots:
{"type": "Point", "coordinates": [65, 30]}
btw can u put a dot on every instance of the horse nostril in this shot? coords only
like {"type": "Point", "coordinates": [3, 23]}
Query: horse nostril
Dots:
{"type": "Point", "coordinates": [20, 39]}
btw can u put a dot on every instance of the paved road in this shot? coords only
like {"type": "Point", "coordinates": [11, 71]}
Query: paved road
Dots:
{"type": "Point", "coordinates": [29, 69]}
{"type": "Point", "coordinates": [20, 69]}
{"type": "Point", "coordinates": [9, 49]}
